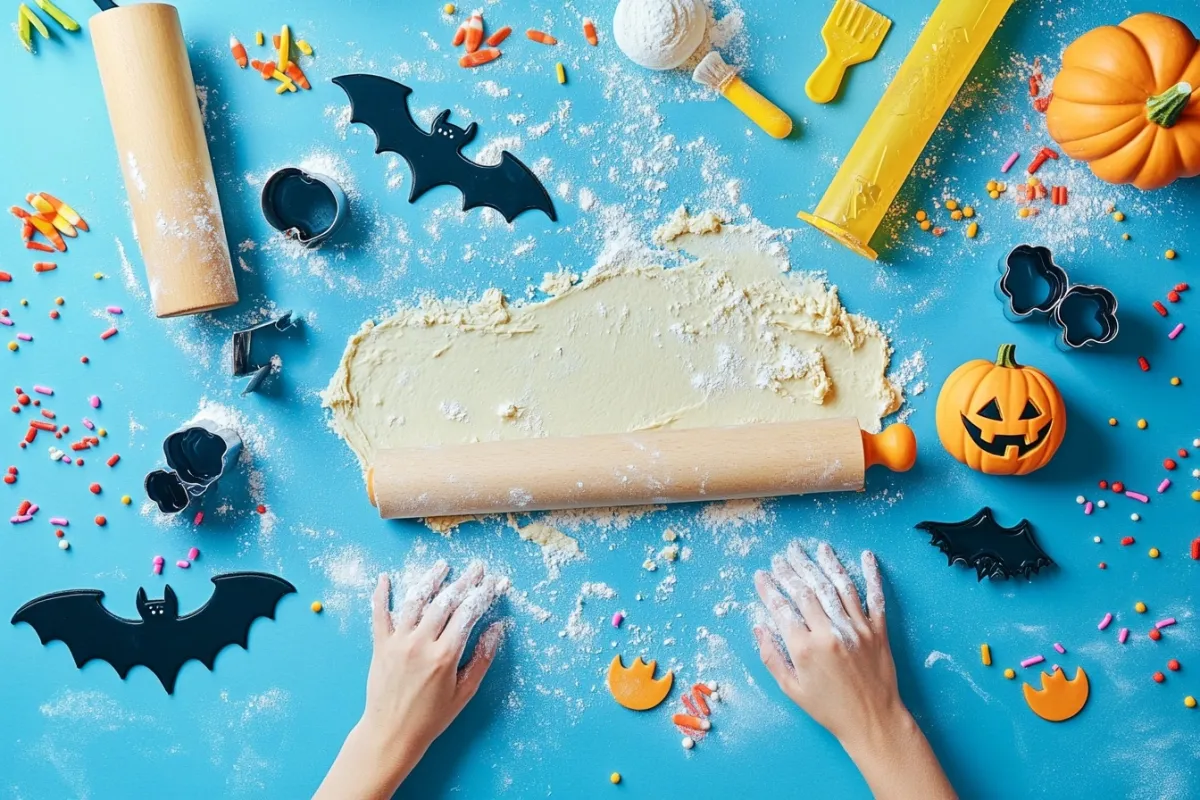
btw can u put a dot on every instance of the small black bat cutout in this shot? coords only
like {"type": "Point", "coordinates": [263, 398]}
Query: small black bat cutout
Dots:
{"type": "Point", "coordinates": [161, 640]}
{"type": "Point", "coordinates": [435, 157]}
{"type": "Point", "coordinates": [992, 549]}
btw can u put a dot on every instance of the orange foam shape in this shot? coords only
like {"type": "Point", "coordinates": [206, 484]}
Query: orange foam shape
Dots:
{"type": "Point", "coordinates": [1059, 698]}
{"type": "Point", "coordinates": [635, 687]}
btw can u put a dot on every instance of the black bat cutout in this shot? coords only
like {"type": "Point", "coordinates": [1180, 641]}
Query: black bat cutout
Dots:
{"type": "Point", "coordinates": [992, 549]}
{"type": "Point", "coordinates": [162, 641]}
{"type": "Point", "coordinates": [435, 157]}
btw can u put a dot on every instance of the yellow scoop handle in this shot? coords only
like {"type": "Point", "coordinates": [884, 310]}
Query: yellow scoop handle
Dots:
{"type": "Point", "coordinates": [822, 86]}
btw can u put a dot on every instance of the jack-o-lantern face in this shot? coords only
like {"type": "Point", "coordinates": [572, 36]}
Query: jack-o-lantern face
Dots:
{"type": "Point", "coordinates": [1001, 418]}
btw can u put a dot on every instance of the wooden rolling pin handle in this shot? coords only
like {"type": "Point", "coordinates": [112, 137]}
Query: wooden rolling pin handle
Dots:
{"type": "Point", "coordinates": [895, 447]}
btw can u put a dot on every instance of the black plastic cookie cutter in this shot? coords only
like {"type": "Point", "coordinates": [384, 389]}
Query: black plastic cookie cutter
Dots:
{"type": "Point", "coordinates": [1032, 285]}
{"type": "Point", "coordinates": [242, 342]}
{"type": "Point", "coordinates": [197, 456]}
{"type": "Point", "coordinates": [305, 206]}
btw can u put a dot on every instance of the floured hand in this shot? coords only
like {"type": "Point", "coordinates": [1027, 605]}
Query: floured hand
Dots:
{"type": "Point", "coordinates": [839, 667]}
{"type": "Point", "coordinates": [415, 688]}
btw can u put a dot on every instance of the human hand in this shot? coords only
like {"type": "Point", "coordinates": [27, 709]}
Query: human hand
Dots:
{"type": "Point", "coordinates": [841, 670]}
{"type": "Point", "coordinates": [414, 687]}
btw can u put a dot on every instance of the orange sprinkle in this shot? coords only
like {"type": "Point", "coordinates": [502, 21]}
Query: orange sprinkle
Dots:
{"type": "Point", "coordinates": [703, 689]}
{"type": "Point", "coordinates": [589, 32]}
{"type": "Point", "coordinates": [540, 37]}
{"type": "Point", "coordinates": [474, 32]}
{"type": "Point", "coordinates": [27, 230]}
{"type": "Point", "coordinates": [275, 41]}
{"type": "Point", "coordinates": [499, 36]}
{"type": "Point", "coordinates": [700, 701]}
{"type": "Point", "coordinates": [39, 246]}
{"type": "Point", "coordinates": [460, 35]}
{"type": "Point", "coordinates": [239, 52]}
{"type": "Point", "coordinates": [689, 705]}
{"type": "Point", "coordinates": [44, 266]}
{"type": "Point", "coordinates": [294, 72]}
{"type": "Point", "coordinates": [256, 65]}
{"type": "Point", "coordinates": [478, 57]}
{"type": "Point", "coordinates": [688, 721]}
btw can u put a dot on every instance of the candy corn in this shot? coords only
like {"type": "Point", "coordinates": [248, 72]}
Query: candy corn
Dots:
{"type": "Point", "coordinates": [479, 57]}
{"type": "Point", "coordinates": [540, 37]}
{"type": "Point", "coordinates": [44, 266]}
{"type": "Point", "coordinates": [295, 73]}
{"type": "Point", "coordinates": [499, 36]}
{"type": "Point", "coordinates": [41, 248]}
{"type": "Point", "coordinates": [474, 32]}
{"type": "Point", "coordinates": [42, 206]}
{"type": "Point", "coordinates": [589, 32]}
{"type": "Point", "coordinates": [268, 70]}
{"type": "Point", "coordinates": [68, 213]}
{"type": "Point", "coordinates": [239, 52]}
{"type": "Point", "coordinates": [460, 35]}
{"type": "Point", "coordinates": [47, 230]}
{"type": "Point", "coordinates": [285, 45]}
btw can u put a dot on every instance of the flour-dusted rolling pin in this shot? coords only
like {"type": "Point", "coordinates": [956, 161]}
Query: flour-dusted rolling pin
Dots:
{"type": "Point", "coordinates": [661, 466]}
{"type": "Point", "coordinates": [164, 156]}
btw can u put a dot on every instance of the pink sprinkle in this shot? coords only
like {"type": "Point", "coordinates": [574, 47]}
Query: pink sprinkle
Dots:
{"type": "Point", "coordinates": [20, 518]}
{"type": "Point", "coordinates": [182, 564]}
{"type": "Point", "coordinates": [158, 568]}
{"type": "Point", "coordinates": [1104, 623]}
{"type": "Point", "coordinates": [1009, 163]}
{"type": "Point", "coordinates": [617, 618]}
{"type": "Point", "coordinates": [1123, 635]}
{"type": "Point", "coordinates": [94, 401]}
{"type": "Point", "coordinates": [43, 390]}
{"type": "Point", "coordinates": [1137, 496]}
{"type": "Point", "coordinates": [1178, 330]}
{"type": "Point", "coordinates": [159, 560]}
{"type": "Point", "coordinates": [1029, 662]}
{"type": "Point", "coordinates": [1166, 484]}
{"type": "Point", "coordinates": [108, 334]}
{"type": "Point", "coordinates": [87, 423]}
{"type": "Point", "coordinates": [6, 321]}
{"type": "Point", "coordinates": [33, 509]}
{"type": "Point", "coordinates": [114, 310]}
{"type": "Point", "coordinates": [1165, 623]}
{"type": "Point", "coordinates": [24, 337]}
{"type": "Point", "coordinates": [198, 518]}
{"type": "Point", "coordinates": [1059, 648]}
{"type": "Point", "coordinates": [193, 554]}
{"type": "Point", "coordinates": [1087, 507]}
{"type": "Point", "coordinates": [66, 459]}
{"type": "Point", "coordinates": [59, 522]}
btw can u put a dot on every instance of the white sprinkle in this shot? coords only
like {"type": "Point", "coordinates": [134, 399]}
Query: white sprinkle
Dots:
{"type": "Point", "coordinates": [1096, 539]}
{"type": "Point", "coordinates": [1081, 499]}
{"type": "Point", "coordinates": [1135, 517]}
{"type": "Point", "coordinates": [63, 544]}
{"type": "Point", "coordinates": [1102, 503]}
{"type": "Point", "coordinates": [688, 743]}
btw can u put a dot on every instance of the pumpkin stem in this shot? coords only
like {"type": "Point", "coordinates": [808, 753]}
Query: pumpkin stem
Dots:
{"type": "Point", "coordinates": [1164, 109]}
{"type": "Point", "coordinates": [1007, 357]}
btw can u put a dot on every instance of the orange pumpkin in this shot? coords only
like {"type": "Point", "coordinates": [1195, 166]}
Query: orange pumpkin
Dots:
{"type": "Point", "coordinates": [1001, 418]}
{"type": "Point", "coordinates": [1126, 101]}
{"type": "Point", "coordinates": [1059, 699]}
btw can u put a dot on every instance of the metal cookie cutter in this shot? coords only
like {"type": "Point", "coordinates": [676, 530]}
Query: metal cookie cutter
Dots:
{"type": "Point", "coordinates": [197, 456]}
{"type": "Point", "coordinates": [242, 341]}
{"type": "Point", "coordinates": [1032, 285]}
{"type": "Point", "coordinates": [304, 206]}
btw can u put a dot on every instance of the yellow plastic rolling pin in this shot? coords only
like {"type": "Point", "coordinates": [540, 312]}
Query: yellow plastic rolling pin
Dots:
{"type": "Point", "coordinates": [714, 73]}
{"type": "Point", "coordinates": [907, 115]}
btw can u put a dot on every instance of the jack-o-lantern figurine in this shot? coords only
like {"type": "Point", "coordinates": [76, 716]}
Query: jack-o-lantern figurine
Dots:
{"type": "Point", "coordinates": [1001, 418]}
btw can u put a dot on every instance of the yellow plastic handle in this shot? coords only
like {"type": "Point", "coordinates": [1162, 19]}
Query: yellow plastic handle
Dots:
{"type": "Point", "coordinates": [895, 447]}
{"type": "Point", "coordinates": [822, 86]}
{"type": "Point", "coordinates": [768, 116]}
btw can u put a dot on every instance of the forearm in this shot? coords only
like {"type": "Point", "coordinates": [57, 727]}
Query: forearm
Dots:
{"type": "Point", "coordinates": [367, 768]}
{"type": "Point", "coordinates": [897, 762]}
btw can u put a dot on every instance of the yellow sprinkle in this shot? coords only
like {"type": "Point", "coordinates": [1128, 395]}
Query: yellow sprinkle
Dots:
{"type": "Point", "coordinates": [1141, 423]}
{"type": "Point", "coordinates": [1189, 701]}
{"type": "Point", "coordinates": [102, 432]}
{"type": "Point", "coordinates": [1170, 254]}
{"type": "Point", "coordinates": [1195, 494]}
{"type": "Point", "coordinates": [58, 301]}
{"type": "Point", "coordinates": [926, 224]}
{"type": "Point", "coordinates": [995, 195]}
{"type": "Point", "coordinates": [285, 46]}
{"type": "Point", "coordinates": [1112, 421]}
{"type": "Point", "coordinates": [615, 778]}
{"type": "Point", "coordinates": [956, 214]}
{"type": "Point", "coordinates": [1175, 381]}
{"type": "Point", "coordinates": [561, 71]}
{"type": "Point", "coordinates": [14, 346]}
{"type": "Point", "coordinates": [448, 8]}
{"type": "Point", "coordinates": [259, 38]}
{"type": "Point", "coordinates": [24, 302]}
{"type": "Point", "coordinates": [1125, 236]}
{"type": "Point", "coordinates": [968, 211]}
{"type": "Point", "coordinates": [921, 216]}
{"type": "Point", "coordinates": [304, 47]}
{"type": "Point", "coordinates": [1139, 607]}
{"type": "Point", "coordinates": [1023, 213]}
{"type": "Point", "coordinates": [991, 186]}
{"type": "Point", "coordinates": [985, 654]}
{"type": "Point", "coordinates": [1033, 181]}
{"type": "Point", "coordinates": [1001, 186]}
{"type": "Point", "coordinates": [951, 205]}
{"type": "Point", "coordinates": [98, 275]}
{"type": "Point", "coordinates": [1154, 552]}
{"type": "Point", "coordinates": [972, 230]}
{"type": "Point", "coordinates": [126, 499]}
{"type": "Point", "coordinates": [1008, 673]}
{"type": "Point", "coordinates": [1118, 216]}
{"type": "Point", "coordinates": [316, 606]}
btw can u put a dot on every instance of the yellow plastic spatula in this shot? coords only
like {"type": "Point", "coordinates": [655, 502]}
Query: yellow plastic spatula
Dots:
{"type": "Point", "coordinates": [852, 35]}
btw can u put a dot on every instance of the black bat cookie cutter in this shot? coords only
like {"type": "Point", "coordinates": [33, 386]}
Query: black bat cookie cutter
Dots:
{"type": "Point", "coordinates": [197, 456]}
{"type": "Point", "coordinates": [435, 156]}
{"type": "Point", "coordinates": [162, 640]}
{"type": "Point", "coordinates": [993, 550]}
{"type": "Point", "coordinates": [1032, 285]}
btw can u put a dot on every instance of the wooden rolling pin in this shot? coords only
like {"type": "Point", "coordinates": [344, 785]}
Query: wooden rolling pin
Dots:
{"type": "Point", "coordinates": [660, 466]}
{"type": "Point", "coordinates": [163, 151]}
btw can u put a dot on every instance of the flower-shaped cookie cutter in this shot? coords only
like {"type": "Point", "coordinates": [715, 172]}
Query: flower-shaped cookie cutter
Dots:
{"type": "Point", "coordinates": [1032, 285]}
{"type": "Point", "coordinates": [197, 456]}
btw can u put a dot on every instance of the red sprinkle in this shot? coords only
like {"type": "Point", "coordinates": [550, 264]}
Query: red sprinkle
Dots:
{"type": "Point", "coordinates": [113, 459]}
{"type": "Point", "coordinates": [1196, 549]}
{"type": "Point", "coordinates": [83, 359]}
{"type": "Point", "coordinates": [1173, 296]}
{"type": "Point", "coordinates": [25, 506]}
{"type": "Point", "coordinates": [22, 398]}
{"type": "Point", "coordinates": [5, 277]}
{"type": "Point", "coordinates": [1155, 634]}
{"type": "Point", "coordinates": [1169, 463]}
{"type": "Point", "coordinates": [1181, 287]}
{"type": "Point", "coordinates": [1160, 308]}
{"type": "Point", "coordinates": [1126, 541]}
{"type": "Point", "coordinates": [1159, 677]}
{"type": "Point", "coordinates": [47, 413]}
{"type": "Point", "coordinates": [261, 508]}
{"type": "Point", "coordinates": [94, 488]}
{"type": "Point", "coordinates": [1103, 484]}
{"type": "Point", "coordinates": [1143, 363]}
{"type": "Point", "coordinates": [59, 533]}
{"type": "Point", "coordinates": [1183, 453]}
{"type": "Point", "coordinates": [1173, 665]}
{"type": "Point", "coordinates": [79, 462]}
{"type": "Point", "coordinates": [1118, 487]}
{"type": "Point", "coordinates": [111, 332]}
{"type": "Point", "coordinates": [42, 426]}
{"type": "Point", "coordinates": [1103, 565]}
{"type": "Point", "coordinates": [101, 520]}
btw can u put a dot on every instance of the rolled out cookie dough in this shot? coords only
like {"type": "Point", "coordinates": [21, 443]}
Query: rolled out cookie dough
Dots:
{"type": "Point", "coordinates": [726, 339]}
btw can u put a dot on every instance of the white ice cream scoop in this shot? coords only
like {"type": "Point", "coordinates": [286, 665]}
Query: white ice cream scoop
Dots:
{"type": "Point", "coordinates": [659, 34]}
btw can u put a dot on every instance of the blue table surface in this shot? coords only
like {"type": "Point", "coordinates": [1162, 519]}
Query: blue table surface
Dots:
{"type": "Point", "coordinates": [267, 722]}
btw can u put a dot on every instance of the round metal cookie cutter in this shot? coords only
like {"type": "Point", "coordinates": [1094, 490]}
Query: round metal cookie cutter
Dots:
{"type": "Point", "coordinates": [305, 206]}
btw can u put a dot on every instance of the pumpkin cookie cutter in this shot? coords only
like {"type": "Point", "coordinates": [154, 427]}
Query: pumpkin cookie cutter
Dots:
{"type": "Point", "coordinates": [242, 341]}
{"type": "Point", "coordinates": [197, 456]}
{"type": "Point", "coordinates": [305, 206]}
{"type": "Point", "coordinates": [1031, 286]}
